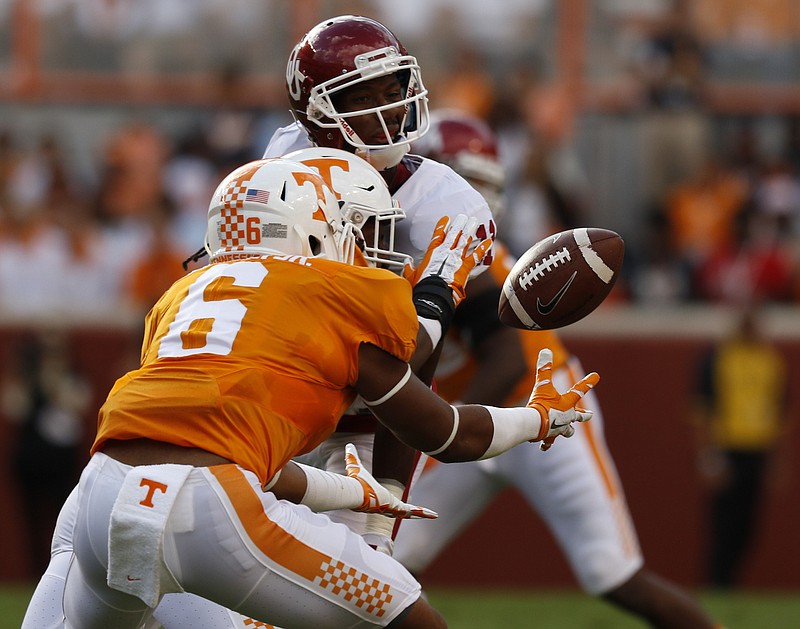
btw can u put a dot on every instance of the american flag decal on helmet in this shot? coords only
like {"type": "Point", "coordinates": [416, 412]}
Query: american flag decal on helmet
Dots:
{"type": "Point", "coordinates": [261, 196]}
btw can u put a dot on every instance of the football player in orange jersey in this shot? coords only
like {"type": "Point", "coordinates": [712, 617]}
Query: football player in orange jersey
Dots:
{"type": "Point", "coordinates": [574, 487]}
{"type": "Point", "coordinates": [365, 201]}
{"type": "Point", "coordinates": [248, 362]}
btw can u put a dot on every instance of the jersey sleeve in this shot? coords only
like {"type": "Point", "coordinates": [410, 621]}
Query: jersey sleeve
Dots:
{"type": "Point", "coordinates": [151, 322]}
{"type": "Point", "coordinates": [287, 139]}
{"type": "Point", "coordinates": [433, 191]}
{"type": "Point", "coordinates": [382, 302]}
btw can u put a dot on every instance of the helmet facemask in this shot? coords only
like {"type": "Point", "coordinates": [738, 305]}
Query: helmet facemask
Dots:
{"type": "Point", "coordinates": [323, 112]}
{"type": "Point", "coordinates": [378, 228]}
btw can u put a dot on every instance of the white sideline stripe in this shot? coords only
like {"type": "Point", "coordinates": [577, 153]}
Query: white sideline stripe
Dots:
{"type": "Point", "coordinates": [517, 307]}
{"type": "Point", "coordinates": [595, 262]}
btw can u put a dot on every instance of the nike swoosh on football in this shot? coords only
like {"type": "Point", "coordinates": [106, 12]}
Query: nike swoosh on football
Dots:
{"type": "Point", "coordinates": [546, 309]}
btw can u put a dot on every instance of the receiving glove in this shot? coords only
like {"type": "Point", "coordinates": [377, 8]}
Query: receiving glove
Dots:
{"type": "Point", "coordinates": [451, 255]}
{"type": "Point", "coordinates": [378, 499]}
{"type": "Point", "coordinates": [558, 411]}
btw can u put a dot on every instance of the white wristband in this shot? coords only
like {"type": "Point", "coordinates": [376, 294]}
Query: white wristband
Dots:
{"type": "Point", "coordinates": [433, 327]}
{"type": "Point", "coordinates": [512, 426]}
{"type": "Point", "coordinates": [272, 481]}
{"type": "Point", "coordinates": [326, 491]}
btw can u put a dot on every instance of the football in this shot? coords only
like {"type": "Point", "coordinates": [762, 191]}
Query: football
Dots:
{"type": "Point", "coordinates": [561, 279]}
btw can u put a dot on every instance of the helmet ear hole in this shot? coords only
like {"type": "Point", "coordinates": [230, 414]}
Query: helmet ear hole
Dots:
{"type": "Point", "coordinates": [404, 76]}
{"type": "Point", "coordinates": [314, 245]}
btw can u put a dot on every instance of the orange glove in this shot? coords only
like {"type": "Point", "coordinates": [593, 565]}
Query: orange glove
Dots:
{"type": "Point", "coordinates": [557, 411]}
{"type": "Point", "coordinates": [451, 255]}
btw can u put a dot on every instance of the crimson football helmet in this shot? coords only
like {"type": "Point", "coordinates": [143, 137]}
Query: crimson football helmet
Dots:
{"type": "Point", "coordinates": [469, 146]}
{"type": "Point", "coordinates": [277, 207]}
{"type": "Point", "coordinates": [338, 54]}
{"type": "Point", "coordinates": [363, 195]}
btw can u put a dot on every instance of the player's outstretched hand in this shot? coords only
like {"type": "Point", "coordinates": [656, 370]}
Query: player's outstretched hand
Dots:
{"type": "Point", "coordinates": [451, 255]}
{"type": "Point", "coordinates": [558, 411]}
{"type": "Point", "coordinates": [378, 499]}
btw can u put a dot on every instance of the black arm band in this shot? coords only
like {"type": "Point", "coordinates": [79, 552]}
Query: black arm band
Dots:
{"type": "Point", "coordinates": [433, 299]}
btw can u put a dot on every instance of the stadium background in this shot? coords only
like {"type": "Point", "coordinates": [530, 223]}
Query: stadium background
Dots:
{"type": "Point", "coordinates": [81, 70]}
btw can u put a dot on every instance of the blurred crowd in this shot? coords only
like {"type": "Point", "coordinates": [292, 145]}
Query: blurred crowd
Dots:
{"type": "Point", "coordinates": [69, 247]}
{"type": "Point", "coordinates": [717, 215]}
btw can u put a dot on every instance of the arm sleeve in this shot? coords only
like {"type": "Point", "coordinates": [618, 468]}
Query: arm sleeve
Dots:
{"type": "Point", "coordinates": [381, 302]}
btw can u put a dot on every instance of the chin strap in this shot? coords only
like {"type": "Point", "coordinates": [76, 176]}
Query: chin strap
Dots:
{"type": "Point", "coordinates": [197, 255]}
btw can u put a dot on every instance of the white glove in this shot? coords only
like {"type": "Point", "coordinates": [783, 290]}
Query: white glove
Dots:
{"type": "Point", "coordinates": [451, 255]}
{"type": "Point", "coordinates": [378, 499]}
{"type": "Point", "coordinates": [557, 411]}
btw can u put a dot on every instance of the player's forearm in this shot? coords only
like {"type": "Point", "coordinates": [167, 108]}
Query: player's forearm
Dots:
{"type": "Point", "coordinates": [391, 458]}
{"type": "Point", "coordinates": [317, 489]}
{"type": "Point", "coordinates": [424, 421]}
{"type": "Point", "coordinates": [501, 365]}
{"type": "Point", "coordinates": [482, 432]}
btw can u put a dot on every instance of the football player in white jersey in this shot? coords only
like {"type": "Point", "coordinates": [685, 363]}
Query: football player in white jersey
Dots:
{"type": "Point", "coordinates": [353, 86]}
{"type": "Point", "coordinates": [574, 487]}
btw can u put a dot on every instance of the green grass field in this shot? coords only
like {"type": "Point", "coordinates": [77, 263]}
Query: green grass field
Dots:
{"type": "Point", "coordinates": [546, 610]}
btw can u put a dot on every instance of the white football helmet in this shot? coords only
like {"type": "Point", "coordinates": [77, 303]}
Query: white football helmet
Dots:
{"type": "Point", "coordinates": [277, 206]}
{"type": "Point", "coordinates": [363, 195]}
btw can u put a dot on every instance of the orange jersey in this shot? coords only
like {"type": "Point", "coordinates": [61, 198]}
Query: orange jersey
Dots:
{"type": "Point", "coordinates": [256, 360]}
{"type": "Point", "coordinates": [457, 365]}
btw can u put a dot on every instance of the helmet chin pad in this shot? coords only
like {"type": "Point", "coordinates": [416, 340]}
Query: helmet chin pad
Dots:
{"type": "Point", "coordinates": [383, 158]}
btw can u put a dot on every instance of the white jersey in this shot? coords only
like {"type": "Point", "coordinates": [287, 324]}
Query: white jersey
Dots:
{"type": "Point", "coordinates": [288, 139]}
{"type": "Point", "coordinates": [432, 191]}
